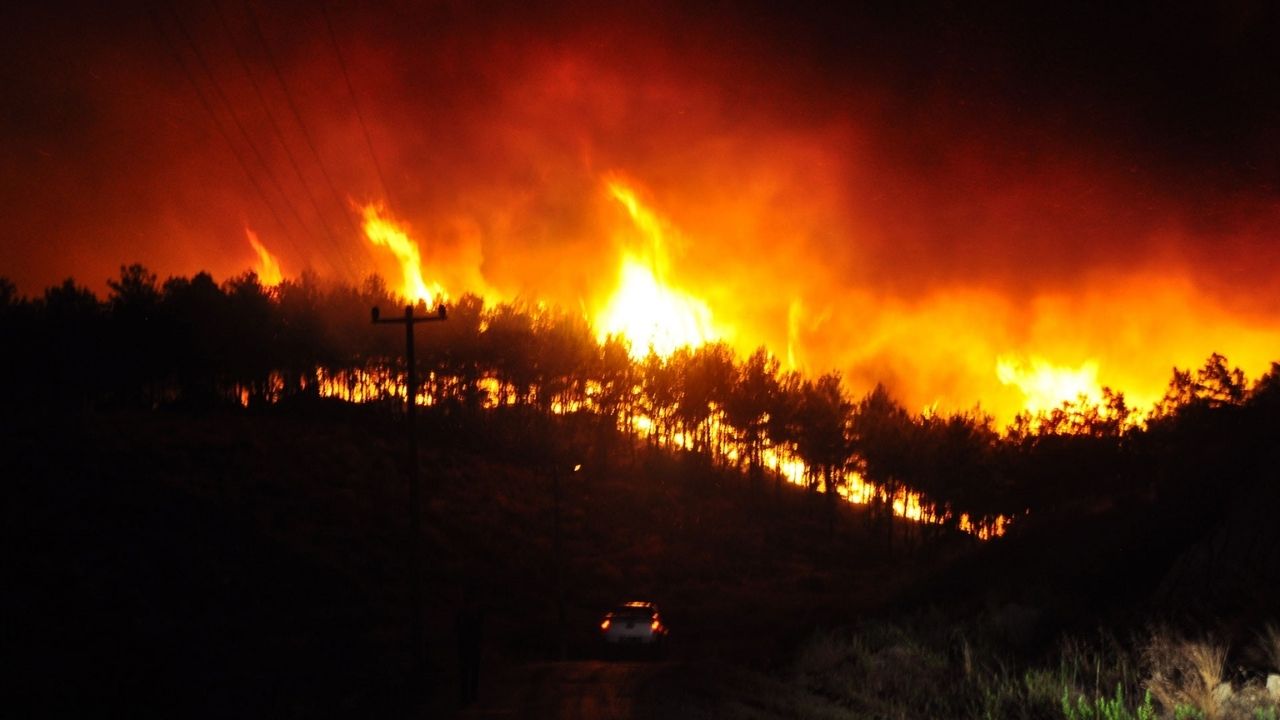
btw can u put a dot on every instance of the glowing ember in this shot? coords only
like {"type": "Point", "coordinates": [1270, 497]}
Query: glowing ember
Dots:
{"type": "Point", "coordinates": [645, 308]}
{"type": "Point", "coordinates": [385, 232]}
{"type": "Point", "coordinates": [1047, 386]}
{"type": "Point", "coordinates": [268, 267]}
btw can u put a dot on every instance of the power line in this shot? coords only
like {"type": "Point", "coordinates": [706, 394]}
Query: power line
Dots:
{"type": "Point", "coordinates": [306, 134]}
{"type": "Point", "coordinates": [333, 37]}
{"type": "Point", "coordinates": [218, 125]}
{"type": "Point", "coordinates": [275, 126]}
{"type": "Point", "coordinates": [275, 182]}
{"type": "Point", "coordinates": [235, 119]}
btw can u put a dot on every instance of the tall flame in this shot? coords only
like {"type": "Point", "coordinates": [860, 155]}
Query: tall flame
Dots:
{"type": "Point", "coordinates": [268, 267]}
{"type": "Point", "coordinates": [1047, 386]}
{"type": "Point", "coordinates": [386, 232]}
{"type": "Point", "coordinates": [646, 308]}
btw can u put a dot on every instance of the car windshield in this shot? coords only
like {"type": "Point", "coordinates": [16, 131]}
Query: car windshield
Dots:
{"type": "Point", "coordinates": [632, 613]}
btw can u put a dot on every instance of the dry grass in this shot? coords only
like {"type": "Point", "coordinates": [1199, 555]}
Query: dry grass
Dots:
{"type": "Point", "coordinates": [1269, 644]}
{"type": "Point", "coordinates": [919, 667]}
{"type": "Point", "coordinates": [1187, 674]}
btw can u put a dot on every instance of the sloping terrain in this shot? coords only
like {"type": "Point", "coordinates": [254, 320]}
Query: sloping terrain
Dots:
{"type": "Point", "coordinates": [255, 563]}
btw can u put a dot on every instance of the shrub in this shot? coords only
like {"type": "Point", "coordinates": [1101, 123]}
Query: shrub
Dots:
{"type": "Point", "coordinates": [1269, 644]}
{"type": "Point", "coordinates": [1092, 667]}
{"type": "Point", "coordinates": [1103, 708]}
{"type": "Point", "coordinates": [920, 667]}
{"type": "Point", "coordinates": [1186, 676]}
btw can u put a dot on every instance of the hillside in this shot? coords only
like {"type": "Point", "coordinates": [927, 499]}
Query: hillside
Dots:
{"type": "Point", "coordinates": [233, 562]}
{"type": "Point", "coordinates": [255, 561]}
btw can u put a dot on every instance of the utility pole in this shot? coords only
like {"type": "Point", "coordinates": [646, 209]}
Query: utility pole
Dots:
{"type": "Point", "coordinates": [419, 651]}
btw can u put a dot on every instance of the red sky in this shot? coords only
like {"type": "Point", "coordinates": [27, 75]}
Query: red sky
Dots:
{"type": "Point", "coordinates": [901, 194]}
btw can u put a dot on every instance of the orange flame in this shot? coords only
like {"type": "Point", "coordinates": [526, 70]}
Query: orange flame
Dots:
{"type": "Point", "coordinates": [386, 232]}
{"type": "Point", "coordinates": [1045, 385]}
{"type": "Point", "coordinates": [646, 309]}
{"type": "Point", "coordinates": [268, 267]}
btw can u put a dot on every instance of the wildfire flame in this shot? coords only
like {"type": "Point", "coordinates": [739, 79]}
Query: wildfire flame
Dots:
{"type": "Point", "coordinates": [386, 232]}
{"type": "Point", "coordinates": [646, 309]}
{"type": "Point", "coordinates": [1046, 385]}
{"type": "Point", "coordinates": [268, 267]}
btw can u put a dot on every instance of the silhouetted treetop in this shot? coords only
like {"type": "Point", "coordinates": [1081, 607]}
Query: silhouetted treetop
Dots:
{"type": "Point", "coordinates": [193, 341]}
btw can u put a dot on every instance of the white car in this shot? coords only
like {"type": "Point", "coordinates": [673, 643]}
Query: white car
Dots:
{"type": "Point", "coordinates": [633, 624]}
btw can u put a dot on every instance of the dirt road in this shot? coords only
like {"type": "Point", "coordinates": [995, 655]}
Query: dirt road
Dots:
{"type": "Point", "coordinates": [579, 690]}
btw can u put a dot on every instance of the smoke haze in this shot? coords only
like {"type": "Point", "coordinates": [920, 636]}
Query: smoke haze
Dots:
{"type": "Point", "coordinates": [904, 195]}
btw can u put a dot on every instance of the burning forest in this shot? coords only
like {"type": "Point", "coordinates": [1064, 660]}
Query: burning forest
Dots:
{"type": "Point", "coordinates": [567, 161]}
{"type": "Point", "coordinates": [192, 342]}
{"type": "Point", "coordinates": [943, 275]}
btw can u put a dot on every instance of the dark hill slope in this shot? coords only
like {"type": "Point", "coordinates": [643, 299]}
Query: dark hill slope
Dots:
{"type": "Point", "coordinates": [254, 563]}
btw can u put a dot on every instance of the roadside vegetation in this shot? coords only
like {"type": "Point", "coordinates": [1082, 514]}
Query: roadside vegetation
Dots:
{"type": "Point", "coordinates": [929, 666]}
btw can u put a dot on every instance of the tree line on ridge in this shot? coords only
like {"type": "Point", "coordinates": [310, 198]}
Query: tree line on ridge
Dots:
{"type": "Point", "coordinates": [193, 342]}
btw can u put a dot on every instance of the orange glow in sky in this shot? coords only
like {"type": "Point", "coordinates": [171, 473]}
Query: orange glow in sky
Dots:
{"type": "Point", "coordinates": [991, 231]}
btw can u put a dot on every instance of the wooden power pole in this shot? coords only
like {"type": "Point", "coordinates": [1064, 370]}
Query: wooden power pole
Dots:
{"type": "Point", "coordinates": [419, 651]}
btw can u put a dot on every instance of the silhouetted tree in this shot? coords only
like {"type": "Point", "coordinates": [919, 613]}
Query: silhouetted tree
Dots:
{"type": "Point", "coordinates": [882, 435]}
{"type": "Point", "coordinates": [784, 423]}
{"type": "Point", "coordinates": [1213, 386]}
{"type": "Point", "coordinates": [1219, 385]}
{"type": "Point", "coordinates": [301, 333]}
{"type": "Point", "coordinates": [659, 396]}
{"type": "Point", "coordinates": [617, 376]}
{"type": "Point", "coordinates": [250, 336]}
{"type": "Point", "coordinates": [751, 396]}
{"type": "Point", "coordinates": [617, 380]}
{"type": "Point", "coordinates": [1266, 391]}
{"type": "Point", "coordinates": [198, 342]}
{"type": "Point", "coordinates": [199, 333]}
{"type": "Point", "coordinates": [74, 369]}
{"type": "Point", "coordinates": [824, 435]}
{"type": "Point", "coordinates": [22, 355]}
{"type": "Point", "coordinates": [8, 294]}
{"type": "Point", "coordinates": [703, 376]}
{"type": "Point", "coordinates": [565, 353]}
{"type": "Point", "coordinates": [136, 344]}
{"type": "Point", "coordinates": [955, 468]}
{"type": "Point", "coordinates": [509, 345]}
{"type": "Point", "coordinates": [455, 352]}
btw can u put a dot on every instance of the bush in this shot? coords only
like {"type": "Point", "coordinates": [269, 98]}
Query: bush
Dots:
{"type": "Point", "coordinates": [1106, 708]}
{"type": "Point", "coordinates": [1187, 676]}
{"type": "Point", "coordinates": [924, 666]}
{"type": "Point", "coordinates": [1269, 645]}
